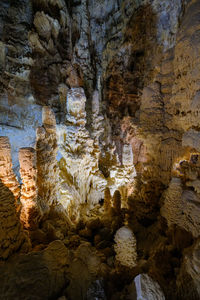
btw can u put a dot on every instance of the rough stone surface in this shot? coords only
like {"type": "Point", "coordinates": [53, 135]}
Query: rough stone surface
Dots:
{"type": "Point", "coordinates": [125, 247]}
{"type": "Point", "coordinates": [147, 288]}
{"type": "Point", "coordinates": [37, 275]}
{"type": "Point", "coordinates": [12, 237]}
{"type": "Point", "coordinates": [122, 78]}
{"type": "Point", "coordinates": [30, 211]}
{"type": "Point", "coordinates": [7, 175]}
{"type": "Point", "coordinates": [47, 171]}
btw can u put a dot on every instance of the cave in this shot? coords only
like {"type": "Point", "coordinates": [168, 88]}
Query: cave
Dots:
{"type": "Point", "coordinates": [99, 150]}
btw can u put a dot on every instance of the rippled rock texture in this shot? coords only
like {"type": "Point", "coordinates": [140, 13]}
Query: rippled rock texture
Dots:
{"type": "Point", "coordinates": [99, 116]}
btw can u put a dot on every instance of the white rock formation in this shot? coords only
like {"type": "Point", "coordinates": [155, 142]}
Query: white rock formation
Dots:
{"type": "Point", "coordinates": [125, 247]}
{"type": "Point", "coordinates": [147, 288]}
{"type": "Point", "coordinates": [47, 171]}
{"type": "Point", "coordinates": [81, 180]}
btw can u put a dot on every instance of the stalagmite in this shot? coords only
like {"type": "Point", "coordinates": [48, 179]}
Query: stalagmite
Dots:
{"type": "Point", "coordinates": [117, 202]}
{"type": "Point", "coordinates": [46, 147]}
{"type": "Point", "coordinates": [125, 247]}
{"type": "Point", "coordinates": [11, 235]}
{"type": "Point", "coordinates": [30, 212]}
{"type": "Point", "coordinates": [107, 200]}
{"type": "Point", "coordinates": [7, 175]}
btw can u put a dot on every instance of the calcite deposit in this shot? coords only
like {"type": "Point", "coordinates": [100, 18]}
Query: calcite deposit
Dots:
{"type": "Point", "coordinates": [99, 149]}
{"type": "Point", "coordinates": [125, 247]}
{"type": "Point", "coordinates": [7, 175]}
{"type": "Point", "coordinates": [12, 238]}
{"type": "Point", "coordinates": [47, 170]}
{"type": "Point", "coordinates": [30, 211]}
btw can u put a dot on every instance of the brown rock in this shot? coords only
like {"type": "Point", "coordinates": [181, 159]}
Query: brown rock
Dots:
{"type": "Point", "coordinates": [7, 175]}
{"type": "Point", "coordinates": [12, 237]}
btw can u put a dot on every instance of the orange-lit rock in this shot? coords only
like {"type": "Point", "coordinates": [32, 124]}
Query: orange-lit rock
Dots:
{"type": "Point", "coordinates": [30, 212]}
{"type": "Point", "coordinates": [7, 175]}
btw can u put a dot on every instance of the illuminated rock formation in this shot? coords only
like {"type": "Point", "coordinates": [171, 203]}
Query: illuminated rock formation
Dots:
{"type": "Point", "coordinates": [11, 235]}
{"type": "Point", "coordinates": [83, 183]}
{"type": "Point", "coordinates": [181, 207]}
{"type": "Point", "coordinates": [125, 247]}
{"type": "Point", "coordinates": [147, 288]}
{"type": "Point", "coordinates": [47, 172]}
{"type": "Point", "coordinates": [188, 282]}
{"type": "Point", "coordinates": [7, 175]}
{"type": "Point", "coordinates": [30, 211]}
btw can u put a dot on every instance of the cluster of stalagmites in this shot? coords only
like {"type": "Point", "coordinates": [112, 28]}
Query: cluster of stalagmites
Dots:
{"type": "Point", "coordinates": [28, 204]}
{"type": "Point", "coordinates": [182, 198]}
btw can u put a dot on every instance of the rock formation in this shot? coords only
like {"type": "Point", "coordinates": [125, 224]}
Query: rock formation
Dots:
{"type": "Point", "coordinates": [47, 171]}
{"type": "Point", "coordinates": [125, 247]}
{"type": "Point", "coordinates": [12, 238]}
{"type": "Point", "coordinates": [101, 102]}
{"type": "Point", "coordinates": [30, 211]}
{"type": "Point", "coordinates": [147, 288]}
{"type": "Point", "coordinates": [7, 175]}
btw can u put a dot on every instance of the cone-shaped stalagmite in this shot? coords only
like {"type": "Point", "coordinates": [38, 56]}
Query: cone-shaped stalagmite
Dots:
{"type": "Point", "coordinates": [46, 148]}
{"type": "Point", "coordinates": [11, 234]}
{"type": "Point", "coordinates": [107, 199]}
{"type": "Point", "coordinates": [30, 212]}
{"type": "Point", "coordinates": [117, 201]}
{"type": "Point", "coordinates": [7, 175]}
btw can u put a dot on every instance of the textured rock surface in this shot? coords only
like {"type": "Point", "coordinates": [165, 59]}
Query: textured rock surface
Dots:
{"type": "Point", "coordinates": [122, 78]}
{"type": "Point", "coordinates": [47, 171]}
{"type": "Point", "coordinates": [125, 247]}
{"type": "Point", "coordinates": [37, 275]}
{"type": "Point", "coordinates": [30, 211]}
{"type": "Point", "coordinates": [147, 288]}
{"type": "Point", "coordinates": [83, 183]}
{"type": "Point", "coordinates": [12, 237]}
{"type": "Point", "coordinates": [7, 175]}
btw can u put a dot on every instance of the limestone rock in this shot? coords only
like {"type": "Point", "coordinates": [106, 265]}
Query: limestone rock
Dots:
{"type": "Point", "coordinates": [84, 268]}
{"type": "Point", "coordinates": [188, 278]}
{"type": "Point", "coordinates": [181, 207]}
{"type": "Point", "coordinates": [30, 211]}
{"type": "Point", "coordinates": [96, 291]}
{"type": "Point", "coordinates": [7, 175]}
{"type": "Point", "coordinates": [47, 172]}
{"type": "Point", "coordinates": [37, 275]}
{"type": "Point", "coordinates": [12, 237]}
{"type": "Point", "coordinates": [125, 247]}
{"type": "Point", "coordinates": [147, 288]}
